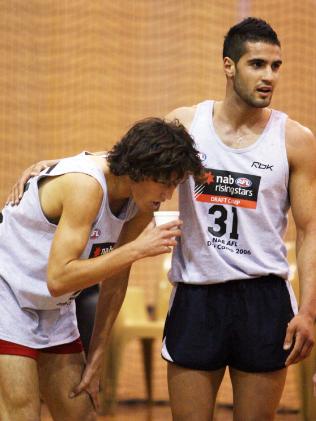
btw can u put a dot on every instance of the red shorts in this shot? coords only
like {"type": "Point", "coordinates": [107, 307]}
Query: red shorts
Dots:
{"type": "Point", "coordinates": [10, 348]}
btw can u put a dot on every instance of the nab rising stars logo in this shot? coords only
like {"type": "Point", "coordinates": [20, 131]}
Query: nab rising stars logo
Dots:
{"type": "Point", "coordinates": [99, 249]}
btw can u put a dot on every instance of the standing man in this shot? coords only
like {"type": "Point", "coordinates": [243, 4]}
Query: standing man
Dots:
{"type": "Point", "coordinates": [55, 243]}
{"type": "Point", "coordinates": [232, 303]}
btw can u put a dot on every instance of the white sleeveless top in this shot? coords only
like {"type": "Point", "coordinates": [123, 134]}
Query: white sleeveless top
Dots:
{"type": "Point", "coordinates": [26, 237]}
{"type": "Point", "coordinates": [234, 223]}
{"type": "Point", "coordinates": [25, 240]}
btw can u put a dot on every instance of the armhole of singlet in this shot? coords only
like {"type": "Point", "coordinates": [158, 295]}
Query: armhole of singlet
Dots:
{"type": "Point", "coordinates": [285, 160]}
{"type": "Point", "coordinates": [90, 173]}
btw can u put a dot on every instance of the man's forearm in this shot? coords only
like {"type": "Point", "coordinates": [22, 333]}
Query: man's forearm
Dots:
{"type": "Point", "coordinates": [306, 263]}
{"type": "Point", "coordinates": [111, 297]}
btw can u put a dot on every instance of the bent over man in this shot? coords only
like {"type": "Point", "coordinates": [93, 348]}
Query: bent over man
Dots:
{"type": "Point", "coordinates": [54, 244]}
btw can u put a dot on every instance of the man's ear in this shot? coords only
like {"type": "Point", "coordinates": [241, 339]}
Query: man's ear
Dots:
{"type": "Point", "coordinates": [229, 67]}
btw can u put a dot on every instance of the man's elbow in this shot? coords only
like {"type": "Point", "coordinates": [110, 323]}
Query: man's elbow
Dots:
{"type": "Point", "coordinates": [55, 285]}
{"type": "Point", "coordinates": [54, 289]}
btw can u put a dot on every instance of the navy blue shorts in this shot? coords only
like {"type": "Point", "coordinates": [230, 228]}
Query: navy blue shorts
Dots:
{"type": "Point", "coordinates": [241, 324]}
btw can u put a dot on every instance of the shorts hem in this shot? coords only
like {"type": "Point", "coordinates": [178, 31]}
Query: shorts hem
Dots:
{"type": "Point", "coordinates": [218, 367]}
{"type": "Point", "coordinates": [68, 340]}
{"type": "Point", "coordinates": [256, 370]}
{"type": "Point", "coordinates": [12, 348]}
{"type": "Point", "coordinates": [191, 367]}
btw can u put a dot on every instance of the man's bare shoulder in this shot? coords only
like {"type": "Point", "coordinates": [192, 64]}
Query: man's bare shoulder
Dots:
{"type": "Point", "coordinates": [297, 134]}
{"type": "Point", "coordinates": [80, 187]}
{"type": "Point", "coordinates": [300, 141]}
{"type": "Point", "coordinates": [183, 114]}
{"type": "Point", "coordinates": [77, 192]}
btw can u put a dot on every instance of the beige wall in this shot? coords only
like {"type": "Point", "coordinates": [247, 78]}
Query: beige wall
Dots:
{"type": "Point", "coordinates": [75, 74]}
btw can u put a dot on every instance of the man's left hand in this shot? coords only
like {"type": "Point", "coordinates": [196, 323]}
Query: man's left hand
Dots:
{"type": "Point", "coordinates": [300, 331]}
{"type": "Point", "coordinates": [90, 383]}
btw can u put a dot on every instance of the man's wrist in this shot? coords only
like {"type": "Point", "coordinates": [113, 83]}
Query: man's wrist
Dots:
{"type": "Point", "coordinates": [307, 313]}
{"type": "Point", "coordinates": [136, 253]}
{"type": "Point", "coordinates": [95, 361]}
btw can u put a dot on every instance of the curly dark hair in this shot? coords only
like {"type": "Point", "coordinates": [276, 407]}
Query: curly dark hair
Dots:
{"type": "Point", "coordinates": [156, 149]}
{"type": "Point", "coordinates": [248, 30]}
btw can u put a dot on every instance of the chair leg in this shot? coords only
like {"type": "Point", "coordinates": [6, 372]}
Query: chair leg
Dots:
{"type": "Point", "coordinates": [147, 345]}
{"type": "Point", "coordinates": [110, 376]}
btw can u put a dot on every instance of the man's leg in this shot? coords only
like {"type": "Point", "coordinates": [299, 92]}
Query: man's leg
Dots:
{"type": "Point", "coordinates": [256, 395]}
{"type": "Point", "coordinates": [193, 392]}
{"type": "Point", "coordinates": [19, 389]}
{"type": "Point", "coordinates": [59, 374]}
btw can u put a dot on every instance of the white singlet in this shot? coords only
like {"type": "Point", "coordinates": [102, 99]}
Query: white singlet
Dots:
{"type": "Point", "coordinates": [30, 316]}
{"type": "Point", "coordinates": [238, 217]}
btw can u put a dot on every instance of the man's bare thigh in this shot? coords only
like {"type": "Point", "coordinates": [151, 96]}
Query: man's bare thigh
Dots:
{"type": "Point", "coordinates": [257, 395]}
{"type": "Point", "coordinates": [19, 388]}
{"type": "Point", "coordinates": [58, 375]}
{"type": "Point", "coordinates": [193, 392]}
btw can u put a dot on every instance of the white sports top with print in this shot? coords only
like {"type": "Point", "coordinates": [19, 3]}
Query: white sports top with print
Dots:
{"type": "Point", "coordinates": [25, 240]}
{"type": "Point", "coordinates": [238, 217]}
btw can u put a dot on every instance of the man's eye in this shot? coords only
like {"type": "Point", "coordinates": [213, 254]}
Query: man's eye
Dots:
{"type": "Point", "coordinates": [275, 67]}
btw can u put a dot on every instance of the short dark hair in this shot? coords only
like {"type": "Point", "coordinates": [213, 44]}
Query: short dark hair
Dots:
{"type": "Point", "coordinates": [156, 149]}
{"type": "Point", "coordinates": [250, 29]}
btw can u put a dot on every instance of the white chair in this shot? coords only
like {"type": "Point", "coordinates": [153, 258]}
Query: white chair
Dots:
{"type": "Point", "coordinates": [133, 322]}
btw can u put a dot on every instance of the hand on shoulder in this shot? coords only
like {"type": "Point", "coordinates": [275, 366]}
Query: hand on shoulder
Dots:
{"type": "Point", "coordinates": [183, 114]}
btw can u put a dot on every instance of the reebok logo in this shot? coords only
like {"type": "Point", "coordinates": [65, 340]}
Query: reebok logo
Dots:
{"type": "Point", "coordinates": [261, 166]}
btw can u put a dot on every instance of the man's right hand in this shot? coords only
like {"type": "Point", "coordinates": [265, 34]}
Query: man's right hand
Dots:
{"type": "Point", "coordinates": [90, 384]}
{"type": "Point", "coordinates": [160, 239]}
{"type": "Point", "coordinates": [17, 190]}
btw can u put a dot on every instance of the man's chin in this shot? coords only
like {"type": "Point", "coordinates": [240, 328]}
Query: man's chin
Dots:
{"type": "Point", "coordinates": [149, 207]}
{"type": "Point", "coordinates": [156, 206]}
{"type": "Point", "coordinates": [261, 103]}
{"type": "Point", "coordinates": [256, 102]}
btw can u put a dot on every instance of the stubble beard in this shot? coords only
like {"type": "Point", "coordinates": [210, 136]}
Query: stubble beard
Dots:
{"type": "Point", "coordinates": [248, 98]}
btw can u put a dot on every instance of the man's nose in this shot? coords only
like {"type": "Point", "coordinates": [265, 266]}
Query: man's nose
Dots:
{"type": "Point", "coordinates": [167, 194]}
{"type": "Point", "coordinates": [268, 74]}
{"type": "Point", "coordinates": [170, 191]}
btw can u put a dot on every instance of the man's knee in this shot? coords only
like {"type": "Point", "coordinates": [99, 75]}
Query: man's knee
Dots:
{"type": "Point", "coordinates": [74, 409]}
{"type": "Point", "coordinates": [20, 401]}
{"type": "Point", "coordinates": [189, 414]}
{"type": "Point", "coordinates": [192, 409]}
{"type": "Point", "coordinates": [89, 416]}
{"type": "Point", "coordinates": [262, 416]}
{"type": "Point", "coordinates": [19, 407]}
{"type": "Point", "coordinates": [92, 416]}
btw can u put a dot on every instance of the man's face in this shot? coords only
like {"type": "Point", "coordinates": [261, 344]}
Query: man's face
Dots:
{"type": "Point", "coordinates": [149, 194]}
{"type": "Point", "coordinates": [257, 73]}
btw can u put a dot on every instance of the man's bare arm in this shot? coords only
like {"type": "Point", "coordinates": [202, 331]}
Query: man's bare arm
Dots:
{"type": "Point", "coordinates": [301, 149]}
{"type": "Point", "coordinates": [111, 297]}
{"type": "Point", "coordinates": [79, 196]}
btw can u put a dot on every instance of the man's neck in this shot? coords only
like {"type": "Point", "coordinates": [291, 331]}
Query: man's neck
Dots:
{"type": "Point", "coordinates": [239, 125]}
{"type": "Point", "coordinates": [236, 113]}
